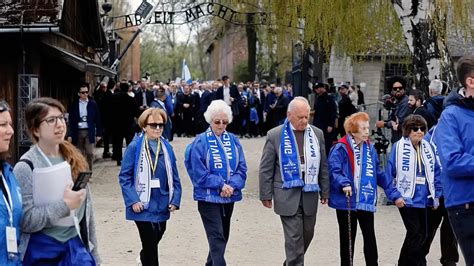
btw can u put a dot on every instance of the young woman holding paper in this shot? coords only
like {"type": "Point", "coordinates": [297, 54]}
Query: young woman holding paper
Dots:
{"type": "Point", "coordinates": [150, 183]}
{"type": "Point", "coordinates": [10, 198]}
{"type": "Point", "coordinates": [58, 224]}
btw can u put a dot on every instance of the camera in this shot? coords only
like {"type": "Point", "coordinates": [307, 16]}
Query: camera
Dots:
{"type": "Point", "coordinates": [389, 102]}
{"type": "Point", "coordinates": [381, 142]}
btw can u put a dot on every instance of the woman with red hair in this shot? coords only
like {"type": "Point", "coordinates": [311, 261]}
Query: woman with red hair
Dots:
{"type": "Point", "coordinates": [354, 176]}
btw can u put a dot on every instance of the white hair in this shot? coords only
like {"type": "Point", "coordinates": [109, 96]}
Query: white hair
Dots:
{"type": "Point", "coordinates": [278, 90]}
{"type": "Point", "coordinates": [293, 102]}
{"type": "Point", "coordinates": [216, 107]}
{"type": "Point", "coordinates": [436, 86]}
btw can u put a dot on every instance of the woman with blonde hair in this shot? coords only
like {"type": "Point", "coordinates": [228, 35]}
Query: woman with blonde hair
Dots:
{"type": "Point", "coordinates": [150, 183]}
{"type": "Point", "coordinates": [354, 176]}
{"type": "Point", "coordinates": [60, 231]}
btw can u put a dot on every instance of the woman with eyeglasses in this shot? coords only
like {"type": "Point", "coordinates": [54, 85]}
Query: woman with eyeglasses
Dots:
{"type": "Point", "coordinates": [10, 201]}
{"type": "Point", "coordinates": [416, 172]}
{"type": "Point", "coordinates": [216, 164]}
{"type": "Point", "coordinates": [59, 229]}
{"type": "Point", "coordinates": [150, 183]}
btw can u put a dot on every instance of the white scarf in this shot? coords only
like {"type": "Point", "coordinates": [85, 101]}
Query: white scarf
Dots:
{"type": "Point", "coordinates": [406, 167]}
{"type": "Point", "coordinates": [144, 172]}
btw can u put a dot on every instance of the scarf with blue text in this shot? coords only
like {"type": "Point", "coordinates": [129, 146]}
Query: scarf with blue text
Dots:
{"type": "Point", "coordinates": [222, 159]}
{"type": "Point", "coordinates": [406, 168]}
{"type": "Point", "coordinates": [290, 165]}
{"type": "Point", "coordinates": [143, 172]}
{"type": "Point", "coordinates": [363, 169]}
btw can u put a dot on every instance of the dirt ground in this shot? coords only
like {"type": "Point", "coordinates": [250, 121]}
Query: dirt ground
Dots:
{"type": "Point", "coordinates": [256, 236]}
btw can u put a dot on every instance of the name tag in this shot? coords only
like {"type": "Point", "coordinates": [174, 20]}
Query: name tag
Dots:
{"type": "Point", "coordinates": [155, 183]}
{"type": "Point", "coordinates": [12, 247]}
{"type": "Point", "coordinates": [420, 180]}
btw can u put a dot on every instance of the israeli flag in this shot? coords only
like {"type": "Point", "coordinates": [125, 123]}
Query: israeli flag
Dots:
{"type": "Point", "coordinates": [186, 74]}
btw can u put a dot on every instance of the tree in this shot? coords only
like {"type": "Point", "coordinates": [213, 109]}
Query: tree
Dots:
{"type": "Point", "coordinates": [359, 26]}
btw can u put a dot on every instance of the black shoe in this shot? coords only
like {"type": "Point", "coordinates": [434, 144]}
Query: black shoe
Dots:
{"type": "Point", "coordinates": [106, 155]}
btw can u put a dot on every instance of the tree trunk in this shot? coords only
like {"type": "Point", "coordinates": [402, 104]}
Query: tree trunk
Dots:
{"type": "Point", "coordinates": [252, 47]}
{"type": "Point", "coordinates": [430, 55]}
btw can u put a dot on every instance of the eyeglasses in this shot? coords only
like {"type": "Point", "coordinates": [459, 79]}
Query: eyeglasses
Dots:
{"type": "Point", "coordinates": [156, 125]}
{"type": "Point", "coordinates": [53, 120]}
{"type": "Point", "coordinates": [415, 129]}
{"type": "Point", "coordinates": [218, 122]}
{"type": "Point", "coordinates": [83, 92]}
{"type": "Point", "coordinates": [4, 106]}
{"type": "Point", "coordinates": [397, 88]}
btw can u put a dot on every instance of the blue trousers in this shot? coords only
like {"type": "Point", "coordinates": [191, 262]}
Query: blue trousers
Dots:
{"type": "Point", "coordinates": [44, 250]}
{"type": "Point", "coordinates": [216, 220]}
{"type": "Point", "coordinates": [462, 221]}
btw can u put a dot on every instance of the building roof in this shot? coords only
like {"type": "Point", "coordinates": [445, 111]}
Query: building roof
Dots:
{"type": "Point", "coordinates": [33, 13]}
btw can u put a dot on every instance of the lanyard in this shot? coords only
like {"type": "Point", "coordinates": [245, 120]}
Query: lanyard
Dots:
{"type": "Point", "coordinates": [8, 203]}
{"type": "Point", "coordinates": [418, 155]}
{"type": "Point", "coordinates": [44, 156]}
{"type": "Point", "coordinates": [153, 165]}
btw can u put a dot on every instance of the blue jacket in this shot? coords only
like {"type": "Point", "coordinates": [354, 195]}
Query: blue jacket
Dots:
{"type": "Point", "coordinates": [420, 198]}
{"type": "Point", "coordinates": [12, 184]}
{"type": "Point", "coordinates": [340, 175]}
{"type": "Point", "coordinates": [205, 180]}
{"type": "Point", "coordinates": [455, 145]}
{"type": "Point", "coordinates": [159, 198]}
{"type": "Point", "coordinates": [93, 121]}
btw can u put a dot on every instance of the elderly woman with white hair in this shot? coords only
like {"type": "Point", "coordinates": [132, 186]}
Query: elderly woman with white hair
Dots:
{"type": "Point", "coordinates": [216, 164]}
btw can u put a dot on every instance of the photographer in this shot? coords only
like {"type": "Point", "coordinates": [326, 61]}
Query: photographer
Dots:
{"type": "Point", "coordinates": [397, 105]}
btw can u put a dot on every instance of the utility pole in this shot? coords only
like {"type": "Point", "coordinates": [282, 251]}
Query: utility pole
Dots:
{"type": "Point", "coordinates": [135, 34]}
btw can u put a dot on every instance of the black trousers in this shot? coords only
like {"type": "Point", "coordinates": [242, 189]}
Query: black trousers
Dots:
{"type": "Point", "coordinates": [118, 143]}
{"type": "Point", "coordinates": [462, 221]}
{"type": "Point", "coordinates": [366, 223]}
{"type": "Point", "coordinates": [416, 224]}
{"type": "Point", "coordinates": [216, 219]}
{"type": "Point", "coordinates": [449, 245]}
{"type": "Point", "coordinates": [150, 235]}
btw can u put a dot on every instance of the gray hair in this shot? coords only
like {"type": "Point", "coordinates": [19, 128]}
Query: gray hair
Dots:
{"type": "Point", "coordinates": [436, 86]}
{"type": "Point", "coordinates": [217, 106]}
{"type": "Point", "coordinates": [293, 102]}
{"type": "Point", "coordinates": [278, 90]}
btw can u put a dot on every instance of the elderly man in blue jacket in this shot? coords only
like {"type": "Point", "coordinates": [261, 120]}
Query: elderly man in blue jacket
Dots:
{"type": "Point", "coordinates": [455, 145]}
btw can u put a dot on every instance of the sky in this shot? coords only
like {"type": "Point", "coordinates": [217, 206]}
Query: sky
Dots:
{"type": "Point", "coordinates": [182, 30]}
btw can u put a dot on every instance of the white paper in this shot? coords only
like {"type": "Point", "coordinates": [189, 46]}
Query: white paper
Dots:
{"type": "Point", "coordinates": [49, 184]}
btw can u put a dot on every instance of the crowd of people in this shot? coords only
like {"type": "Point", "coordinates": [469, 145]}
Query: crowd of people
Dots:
{"type": "Point", "coordinates": [48, 221]}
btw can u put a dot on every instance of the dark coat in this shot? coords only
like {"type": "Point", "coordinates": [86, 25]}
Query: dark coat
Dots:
{"type": "Point", "coordinates": [234, 93]}
{"type": "Point", "coordinates": [325, 112]}
{"type": "Point", "coordinates": [139, 97]}
{"type": "Point", "coordinates": [93, 121]}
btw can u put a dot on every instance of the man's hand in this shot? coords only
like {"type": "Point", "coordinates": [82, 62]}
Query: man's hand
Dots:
{"type": "Point", "coordinates": [400, 203]}
{"type": "Point", "coordinates": [324, 201]}
{"type": "Point", "coordinates": [329, 129]}
{"type": "Point", "coordinates": [394, 125]}
{"type": "Point", "coordinates": [185, 105]}
{"type": "Point", "coordinates": [97, 139]}
{"type": "Point", "coordinates": [380, 124]}
{"type": "Point", "coordinates": [267, 203]}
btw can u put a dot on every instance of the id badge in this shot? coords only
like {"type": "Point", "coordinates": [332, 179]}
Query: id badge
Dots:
{"type": "Point", "coordinates": [420, 180]}
{"type": "Point", "coordinates": [12, 246]}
